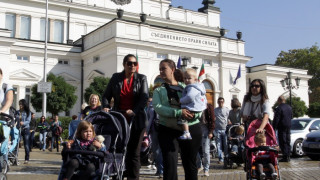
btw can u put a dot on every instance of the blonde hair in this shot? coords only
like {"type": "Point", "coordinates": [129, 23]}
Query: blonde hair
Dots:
{"type": "Point", "coordinates": [91, 96]}
{"type": "Point", "coordinates": [239, 130]}
{"type": "Point", "coordinates": [84, 125]}
{"type": "Point", "coordinates": [192, 72]}
{"type": "Point", "coordinates": [259, 138]}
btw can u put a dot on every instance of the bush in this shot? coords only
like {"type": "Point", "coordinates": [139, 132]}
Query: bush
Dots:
{"type": "Point", "coordinates": [314, 110]}
{"type": "Point", "coordinates": [299, 107]}
{"type": "Point", "coordinates": [65, 121]}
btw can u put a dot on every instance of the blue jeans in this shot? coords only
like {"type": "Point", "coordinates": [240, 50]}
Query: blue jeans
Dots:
{"type": "Point", "coordinates": [42, 139]}
{"type": "Point", "coordinates": [55, 139]}
{"type": "Point", "coordinates": [25, 133]}
{"type": "Point", "coordinates": [156, 150]}
{"type": "Point", "coordinates": [205, 148]}
{"type": "Point", "coordinates": [221, 143]}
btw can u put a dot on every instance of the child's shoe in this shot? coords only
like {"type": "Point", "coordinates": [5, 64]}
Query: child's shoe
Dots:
{"type": "Point", "coordinates": [262, 176]}
{"type": "Point", "coordinates": [274, 176]}
{"type": "Point", "coordinates": [186, 136]}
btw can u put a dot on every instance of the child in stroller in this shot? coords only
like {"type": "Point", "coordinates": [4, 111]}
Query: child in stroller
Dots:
{"type": "Point", "coordinates": [85, 140]}
{"type": "Point", "coordinates": [235, 146]}
{"type": "Point", "coordinates": [262, 153]}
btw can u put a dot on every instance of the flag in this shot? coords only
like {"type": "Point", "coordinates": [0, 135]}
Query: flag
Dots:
{"type": "Point", "coordinates": [201, 71]}
{"type": "Point", "coordinates": [238, 75]}
{"type": "Point", "coordinates": [179, 63]}
{"type": "Point", "coordinates": [137, 62]}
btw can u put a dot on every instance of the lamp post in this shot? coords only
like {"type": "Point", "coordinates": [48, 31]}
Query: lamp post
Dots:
{"type": "Point", "coordinates": [287, 84]}
{"type": "Point", "coordinates": [184, 63]}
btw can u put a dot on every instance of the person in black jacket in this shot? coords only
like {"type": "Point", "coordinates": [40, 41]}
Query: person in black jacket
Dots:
{"type": "Point", "coordinates": [282, 123]}
{"type": "Point", "coordinates": [129, 90]}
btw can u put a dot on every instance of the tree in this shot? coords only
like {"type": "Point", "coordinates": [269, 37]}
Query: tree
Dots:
{"type": "Point", "coordinates": [62, 97]}
{"type": "Point", "coordinates": [299, 107]}
{"type": "Point", "coordinates": [98, 86]}
{"type": "Point", "coordinates": [307, 58]}
{"type": "Point", "coordinates": [314, 110]}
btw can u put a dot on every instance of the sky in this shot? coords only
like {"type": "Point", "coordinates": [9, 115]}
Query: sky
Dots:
{"type": "Point", "coordinates": [268, 27]}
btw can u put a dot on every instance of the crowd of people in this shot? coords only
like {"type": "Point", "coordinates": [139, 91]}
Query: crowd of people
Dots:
{"type": "Point", "coordinates": [177, 118]}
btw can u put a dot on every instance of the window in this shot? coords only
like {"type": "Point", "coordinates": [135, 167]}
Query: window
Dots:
{"type": "Point", "coordinates": [206, 61]}
{"type": "Point", "coordinates": [43, 29]}
{"type": "Point", "coordinates": [25, 27]}
{"type": "Point", "coordinates": [315, 124]}
{"type": "Point", "coordinates": [162, 56]}
{"type": "Point", "coordinates": [11, 23]}
{"type": "Point", "coordinates": [58, 31]}
{"type": "Point", "coordinates": [22, 58]}
{"type": "Point", "coordinates": [96, 58]}
{"type": "Point", "coordinates": [28, 93]}
{"type": "Point", "coordinates": [63, 61]}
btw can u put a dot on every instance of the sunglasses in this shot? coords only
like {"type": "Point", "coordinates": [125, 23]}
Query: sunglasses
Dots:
{"type": "Point", "coordinates": [130, 63]}
{"type": "Point", "coordinates": [255, 86]}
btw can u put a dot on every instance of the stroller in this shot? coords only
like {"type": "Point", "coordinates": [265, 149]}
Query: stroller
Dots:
{"type": "Point", "coordinates": [232, 140]}
{"type": "Point", "coordinates": [146, 156]}
{"type": "Point", "coordinates": [250, 168]}
{"type": "Point", "coordinates": [114, 128]}
{"type": "Point", "coordinates": [5, 125]}
{"type": "Point", "coordinates": [14, 147]}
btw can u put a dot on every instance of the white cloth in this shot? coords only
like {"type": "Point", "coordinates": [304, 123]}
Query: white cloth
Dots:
{"type": "Point", "coordinates": [253, 107]}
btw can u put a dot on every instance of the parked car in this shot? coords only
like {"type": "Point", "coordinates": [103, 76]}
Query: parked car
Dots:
{"type": "Point", "coordinates": [311, 145]}
{"type": "Point", "coordinates": [299, 129]}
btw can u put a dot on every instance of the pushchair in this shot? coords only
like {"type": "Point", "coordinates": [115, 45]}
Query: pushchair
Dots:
{"type": "Point", "coordinates": [250, 168]}
{"type": "Point", "coordinates": [14, 147]}
{"type": "Point", "coordinates": [114, 128]}
{"type": "Point", "coordinates": [5, 124]}
{"type": "Point", "coordinates": [233, 158]}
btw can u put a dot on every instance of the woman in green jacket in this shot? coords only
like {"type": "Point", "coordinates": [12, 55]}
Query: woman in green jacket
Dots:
{"type": "Point", "coordinates": [166, 104]}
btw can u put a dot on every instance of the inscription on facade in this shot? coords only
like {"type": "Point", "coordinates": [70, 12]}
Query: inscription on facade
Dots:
{"type": "Point", "coordinates": [183, 39]}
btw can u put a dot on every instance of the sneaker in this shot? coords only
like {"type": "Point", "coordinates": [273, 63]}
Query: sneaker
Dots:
{"type": "Point", "coordinates": [262, 176]}
{"type": "Point", "coordinates": [26, 162]}
{"type": "Point", "coordinates": [200, 169]}
{"type": "Point", "coordinates": [220, 162]}
{"type": "Point", "coordinates": [153, 167]}
{"type": "Point", "coordinates": [274, 176]}
{"type": "Point", "coordinates": [43, 150]}
{"type": "Point", "coordinates": [186, 136]}
{"type": "Point", "coordinates": [206, 173]}
{"type": "Point", "coordinates": [50, 150]}
{"type": "Point", "coordinates": [149, 166]}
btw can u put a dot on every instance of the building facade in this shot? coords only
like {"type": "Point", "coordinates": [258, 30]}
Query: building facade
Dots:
{"type": "Point", "coordinates": [88, 39]}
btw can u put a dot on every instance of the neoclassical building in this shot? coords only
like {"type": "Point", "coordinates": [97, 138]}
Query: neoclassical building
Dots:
{"type": "Point", "coordinates": [89, 38]}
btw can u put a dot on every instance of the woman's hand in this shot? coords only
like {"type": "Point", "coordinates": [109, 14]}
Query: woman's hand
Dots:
{"type": "Point", "coordinates": [21, 123]}
{"type": "Point", "coordinates": [130, 113]}
{"type": "Point", "coordinates": [210, 135]}
{"type": "Point", "coordinates": [96, 144]}
{"type": "Point", "coordinates": [69, 143]}
{"type": "Point", "coordinates": [187, 114]}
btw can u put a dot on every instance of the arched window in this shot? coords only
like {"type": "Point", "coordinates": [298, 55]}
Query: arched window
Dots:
{"type": "Point", "coordinates": [209, 92]}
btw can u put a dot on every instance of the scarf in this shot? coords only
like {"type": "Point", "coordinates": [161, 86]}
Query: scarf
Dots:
{"type": "Point", "coordinates": [253, 107]}
{"type": "Point", "coordinates": [86, 143]}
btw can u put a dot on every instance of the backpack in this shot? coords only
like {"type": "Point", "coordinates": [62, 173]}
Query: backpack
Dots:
{"type": "Point", "coordinates": [58, 131]}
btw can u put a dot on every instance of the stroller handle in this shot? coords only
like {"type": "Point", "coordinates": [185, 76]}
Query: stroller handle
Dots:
{"type": "Point", "coordinates": [99, 154]}
{"type": "Point", "coordinates": [263, 148]}
{"type": "Point", "coordinates": [9, 117]}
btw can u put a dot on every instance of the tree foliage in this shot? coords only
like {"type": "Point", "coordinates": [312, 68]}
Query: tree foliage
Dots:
{"type": "Point", "coordinates": [299, 107]}
{"type": "Point", "coordinates": [307, 58]}
{"type": "Point", "coordinates": [98, 86]}
{"type": "Point", "coordinates": [314, 110]}
{"type": "Point", "coordinates": [62, 98]}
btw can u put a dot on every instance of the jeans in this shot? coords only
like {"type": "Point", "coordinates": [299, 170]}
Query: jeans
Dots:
{"type": "Point", "coordinates": [156, 150]}
{"type": "Point", "coordinates": [26, 135]}
{"type": "Point", "coordinates": [31, 139]}
{"type": "Point", "coordinates": [55, 139]}
{"type": "Point", "coordinates": [42, 139]}
{"type": "Point", "coordinates": [205, 148]}
{"type": "Point", "coordinates": [221, 143]}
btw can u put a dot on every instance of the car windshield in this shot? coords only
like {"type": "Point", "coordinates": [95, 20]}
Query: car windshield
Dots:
{"type": "Point", "coordinates": [299, 124]}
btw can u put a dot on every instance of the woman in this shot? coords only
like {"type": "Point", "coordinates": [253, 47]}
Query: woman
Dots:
{"type": "Point", "coordinates": [73, 126]}
{"type": "Point", "coordinates": [43, 128]}
{"type": "Point", "coordinates": [24, 117]}
{"type": "Point", "coordinates": [129, 90]}
{"type": "Point", "coordinates": [55, 138]}
{"type": "Point", "coordinates": [94, 105]}
{"type": "Point", "coordinates": [32, 126]}
{"type": "Point", "coordinates": [234, 114]}
{"type": "Point", "coordinates": [256, 105]}
{"type": "Point", "coordinates": [166, 104]}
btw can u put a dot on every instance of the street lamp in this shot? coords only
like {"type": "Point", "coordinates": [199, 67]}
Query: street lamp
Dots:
{"type": "Point", "coordinates": [287, 84]}
{"type": "Point", "coordinates": [184, 63]}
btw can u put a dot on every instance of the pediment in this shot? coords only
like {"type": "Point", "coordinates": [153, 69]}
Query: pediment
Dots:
{"type": "Point", "coordinates": [234, 89]}
{"type": "Point", "coordinates": [68, 78]}
{"type": "Point", "coordinates": [287, 94]}
{"type": "Point", "coordinates": [94, 73]}
{"type": "Point", "coordinates": [24, 75]}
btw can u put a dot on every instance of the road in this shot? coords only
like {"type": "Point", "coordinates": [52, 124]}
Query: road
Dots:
{"type": "Point", "coordinates": [46, 165]}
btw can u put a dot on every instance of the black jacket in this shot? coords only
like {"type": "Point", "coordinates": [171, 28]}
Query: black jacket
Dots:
{"type": "Point", "coordinates": [282, 117]}
{"type": "Point", "coordinates": [140, 96]}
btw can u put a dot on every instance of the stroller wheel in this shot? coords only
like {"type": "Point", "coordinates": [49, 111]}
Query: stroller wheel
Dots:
{"type": "Point", "coordinates": [4, 165]}
{"type": "Point", "coordinates": [3, 176]}
{"type": "Point", "coordinates": [17, 162]}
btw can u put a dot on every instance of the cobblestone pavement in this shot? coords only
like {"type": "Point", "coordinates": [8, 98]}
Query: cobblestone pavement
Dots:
{"type": "Point", "coordinates": [46, 165]}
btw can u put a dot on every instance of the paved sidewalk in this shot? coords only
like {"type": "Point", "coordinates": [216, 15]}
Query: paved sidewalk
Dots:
{"type": "Point", "coordinates": [46, 165]}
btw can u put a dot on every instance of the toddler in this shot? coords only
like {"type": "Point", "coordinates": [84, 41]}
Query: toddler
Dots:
{"type": "Point", "coordinates": [263, 157]}
{"type": "Point", "coordinates": [85, 140]}
{"type": "Point", "coordinates": [193, 99]}
{"type": "Point", "coordinates": [237, 139]}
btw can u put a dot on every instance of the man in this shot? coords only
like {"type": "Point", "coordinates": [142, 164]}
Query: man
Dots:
{"type": "Point", "coordinates": [221, 113]}
{"type": "Point", "coordinates": [282, 123]}
{"type": "Point", "coordinates": [32, 130]}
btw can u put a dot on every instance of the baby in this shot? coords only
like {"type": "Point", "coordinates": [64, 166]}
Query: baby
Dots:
{"type": "Point", "coordinates": [237, 140]}
{"type": "Point", "coordinates": [193, 99]}
{"type": "Point", "coordinates": [263, 157]}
